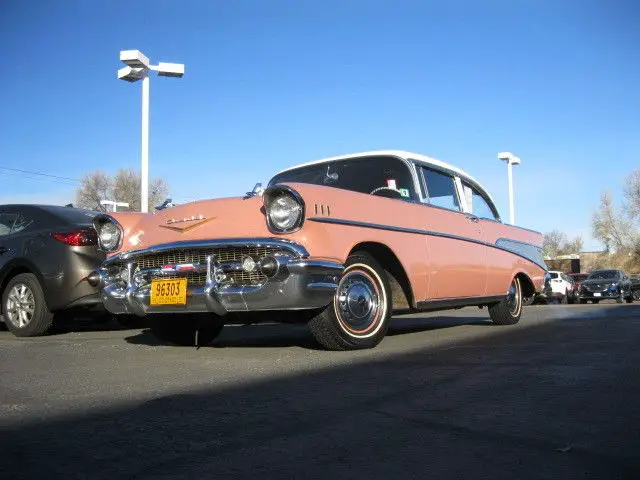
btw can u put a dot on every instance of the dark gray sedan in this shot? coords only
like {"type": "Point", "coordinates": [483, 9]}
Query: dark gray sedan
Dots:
{"type": "Point", "coordinates": [46, 254]}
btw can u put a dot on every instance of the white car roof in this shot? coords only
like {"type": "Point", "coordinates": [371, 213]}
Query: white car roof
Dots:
{"type": "Point", "coordinates": [402, 154]}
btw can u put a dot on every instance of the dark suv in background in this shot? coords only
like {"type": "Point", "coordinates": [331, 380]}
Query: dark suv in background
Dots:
{"type": "Point", "coordinates": [46, 254]}
{"type": "Point", "coordinates": [606, 285]}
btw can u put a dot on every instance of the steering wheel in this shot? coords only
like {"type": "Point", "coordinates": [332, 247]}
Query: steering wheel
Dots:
{"type": "Point", "coordinates": [387, 192]}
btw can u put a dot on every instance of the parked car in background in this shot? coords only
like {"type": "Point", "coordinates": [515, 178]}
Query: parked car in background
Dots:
{"type": "Point", "coordinates": [340, 244]}
{"type": "Point", "coordinates": [606, 285]}
{"type": "Point", "coordinates": [577, 278]}
{"type": "Point", "coordinates": [559, 287]}
{"type": "Point", "coordinates": [46, 253]}
{"type": "Point", "coordinates": [635, 286]}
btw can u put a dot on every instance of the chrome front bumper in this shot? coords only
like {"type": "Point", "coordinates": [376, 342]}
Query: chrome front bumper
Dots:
{"type": "Point", "coordinates": [300, 283]}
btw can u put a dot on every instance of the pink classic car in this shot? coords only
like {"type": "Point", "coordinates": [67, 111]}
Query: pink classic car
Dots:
{"type": "Point", "coordinates": [340, 244]}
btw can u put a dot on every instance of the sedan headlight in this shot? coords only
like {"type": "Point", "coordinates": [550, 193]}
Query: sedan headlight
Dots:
{"type": "Point", "coordinates": [284, 209]}
{"type": "Point", "coordinates": [109, 233]}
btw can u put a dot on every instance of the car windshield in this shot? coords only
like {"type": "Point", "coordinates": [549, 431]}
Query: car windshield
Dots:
{"type": "Point", "coordinates": [604, 275]}
{"type": "Point", "coordinates": [552, 275]}
{"type": "Point", "coordinates": [362, 175]}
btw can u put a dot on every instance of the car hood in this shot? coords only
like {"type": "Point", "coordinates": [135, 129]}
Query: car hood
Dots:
{"type": "Point", "coordinates": [208, 219]}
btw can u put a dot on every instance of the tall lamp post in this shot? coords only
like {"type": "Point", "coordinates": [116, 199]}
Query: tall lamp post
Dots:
{"type": "Point", "coordinates": [511, 160]}
{"type": "Point", "coordinates": [138, 68]}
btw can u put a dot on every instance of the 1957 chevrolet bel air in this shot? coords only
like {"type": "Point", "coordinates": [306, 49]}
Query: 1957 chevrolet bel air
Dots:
{"type": "Point", "coordinates": [340, 244]}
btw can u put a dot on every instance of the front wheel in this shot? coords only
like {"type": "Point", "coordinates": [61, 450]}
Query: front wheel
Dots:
{"type": "Point", "coordinates": [195, 329]}
{"type": "Point", "coordinates": [359, 315]}
{"type": "Point", "coordinates": [508, 311]}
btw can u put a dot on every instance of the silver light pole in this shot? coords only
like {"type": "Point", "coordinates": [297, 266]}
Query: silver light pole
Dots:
{"type": "Point", "coordinates": [138, 68]}
{"type": "Point", "coordinates": [511, 160]}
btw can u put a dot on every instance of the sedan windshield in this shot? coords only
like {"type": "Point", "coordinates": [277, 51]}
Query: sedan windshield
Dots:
{"type": "Point", "coordinates": [604, 275]}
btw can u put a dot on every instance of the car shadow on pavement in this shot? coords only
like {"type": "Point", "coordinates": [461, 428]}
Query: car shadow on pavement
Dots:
{"type": "Point", "coordinates": [271, 335]}
{"type": "Point", "coordinates": [524, 403]}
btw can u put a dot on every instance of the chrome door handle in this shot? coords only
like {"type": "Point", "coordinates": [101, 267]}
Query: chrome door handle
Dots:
{"type": "Point", "coordinates": [473, 218]}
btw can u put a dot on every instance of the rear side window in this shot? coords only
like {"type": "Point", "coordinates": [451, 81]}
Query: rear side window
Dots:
{"type": "Point", "coordinates": [11, 223]}
{"type": "Point", "coordinates": [440, 189]}
{"type": "Point", "coordinates": [478, 204]}
{"type": "Point", "coordinates": [6, 222]}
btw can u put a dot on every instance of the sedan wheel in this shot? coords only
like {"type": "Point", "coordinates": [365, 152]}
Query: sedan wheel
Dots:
{"type": "Point", "coordinates": [24, 307]}
{"type": "Point", "coordinates": [21, 305]}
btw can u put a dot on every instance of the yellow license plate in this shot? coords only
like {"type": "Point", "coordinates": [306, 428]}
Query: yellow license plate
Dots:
{"type": "Point", "coordinates": [169, 292]}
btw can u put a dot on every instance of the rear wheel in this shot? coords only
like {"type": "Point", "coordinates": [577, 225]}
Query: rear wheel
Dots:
{"type": "Point", "coordinates": [360, 313]}
{"type": "Point", "coordinates": [186, 329]}
{"type": "Point", "coordinates": [24, 308]}
{"type": "Point", "coordinates": [508, 311]}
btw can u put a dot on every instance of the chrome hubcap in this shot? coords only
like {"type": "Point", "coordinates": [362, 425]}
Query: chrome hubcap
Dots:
{"type": "Point", "coordinates": [514, 297]}
{"type": "Point", "coordinates": [358, 302]}
{"type": "Point", "coordinates": [21, 305]}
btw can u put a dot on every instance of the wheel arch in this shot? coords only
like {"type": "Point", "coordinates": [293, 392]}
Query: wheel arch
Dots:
{"type": "Point", "coordinates": [401, 289]}
{"type": "Point", "coordinates": [526, 284]}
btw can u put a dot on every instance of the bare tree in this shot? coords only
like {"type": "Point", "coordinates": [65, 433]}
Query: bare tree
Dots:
{"type": "Point", "coordinates": [95, 186]}
{"type": "Point", "coordinates": [612, 227]}
{"type": "Point", "coordinates": [557, 243]}
{"type": "Point", "coordinates": [632, 193]}
{"type": "Point", "coordinates": [124, 186]}
{"type": "Point", "coordinates": [552, 243]}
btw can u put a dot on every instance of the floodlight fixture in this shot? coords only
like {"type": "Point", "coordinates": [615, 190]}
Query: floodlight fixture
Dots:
{"type": "Point", "coordinates": [138, 67]}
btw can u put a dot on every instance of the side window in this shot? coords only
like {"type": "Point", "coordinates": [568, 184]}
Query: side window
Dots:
{"type": "Point", "coordinates": [478, 204]}
{"type": "Point", "coordinates": [6, 222]}
{"type": "Point", "coordinates": [440, 189]}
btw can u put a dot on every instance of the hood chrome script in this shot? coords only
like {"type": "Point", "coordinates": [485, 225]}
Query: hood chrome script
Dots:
{"type": "Point", "coordinates": [193, 222]}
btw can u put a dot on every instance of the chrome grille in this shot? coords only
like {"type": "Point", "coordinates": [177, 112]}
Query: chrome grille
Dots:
{"type": "Point", "coordinates": [222, 254]}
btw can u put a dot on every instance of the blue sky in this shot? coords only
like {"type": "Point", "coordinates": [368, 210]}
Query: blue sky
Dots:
{"type": "Point", "coordinates": [270, 84]}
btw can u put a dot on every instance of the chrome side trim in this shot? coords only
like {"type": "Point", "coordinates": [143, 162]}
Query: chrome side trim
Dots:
{"type": "Point", "coordinates": [498, 245]}
{"type": "Point", "coordinates": [295, 248]}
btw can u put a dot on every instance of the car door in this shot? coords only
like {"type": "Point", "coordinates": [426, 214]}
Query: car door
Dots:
{"type": "Point", "coordinates": [457, 257]}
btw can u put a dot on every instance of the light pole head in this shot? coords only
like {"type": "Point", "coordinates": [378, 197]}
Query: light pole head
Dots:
{"type": "Point", "coordinates": [509, 157]}
{"type": "Point", "coordinates": [134, 58]}
{"type": "Point", "coordinates": [131, 74]}
{"type": "Point", "coordinates": [165, 69]}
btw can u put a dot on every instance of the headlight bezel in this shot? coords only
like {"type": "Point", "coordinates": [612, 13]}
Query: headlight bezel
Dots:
{"type": "Point", "coordinates": [271, 195]}
{"type": "Point", "coordinates": [98, 224]}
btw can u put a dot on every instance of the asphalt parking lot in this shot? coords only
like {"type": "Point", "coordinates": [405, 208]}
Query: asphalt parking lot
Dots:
{"type": "Point", "coordinates": [445, 395]}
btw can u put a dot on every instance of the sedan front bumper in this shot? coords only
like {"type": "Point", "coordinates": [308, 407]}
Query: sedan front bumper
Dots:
{"type": "Point", "coordinates": [299, 283]}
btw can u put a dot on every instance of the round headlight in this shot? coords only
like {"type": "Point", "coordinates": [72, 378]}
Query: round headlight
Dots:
{"type": "Point", "coordinates": [109, 235]}
{"type": "Point", "coordinates": [284, 212]}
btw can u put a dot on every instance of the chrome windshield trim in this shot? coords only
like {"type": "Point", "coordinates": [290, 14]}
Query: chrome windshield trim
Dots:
{"type": "Point", "coordinates": [297, 249]}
